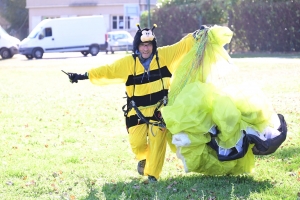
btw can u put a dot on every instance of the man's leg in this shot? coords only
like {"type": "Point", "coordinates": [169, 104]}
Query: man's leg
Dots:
{"type": "Point", "coordinates": [138, 141]}
{"type": "Point", "coordinates": [157, 150]}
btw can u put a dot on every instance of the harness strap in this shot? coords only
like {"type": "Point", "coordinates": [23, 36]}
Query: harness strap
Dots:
{"type": "Point", "coordinates": [132, 103]}
{"type": "Point", "coordinates": [157, 60]}
{"type": "Point", "coordinates": [134, 56]}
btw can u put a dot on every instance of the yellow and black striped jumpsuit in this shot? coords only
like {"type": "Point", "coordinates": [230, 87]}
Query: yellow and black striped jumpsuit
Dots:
{"type": "Point", "coordinates": [146, 89]}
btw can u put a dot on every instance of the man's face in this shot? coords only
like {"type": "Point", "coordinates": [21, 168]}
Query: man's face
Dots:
{"type": "Point", "coordinates": [146, 49]}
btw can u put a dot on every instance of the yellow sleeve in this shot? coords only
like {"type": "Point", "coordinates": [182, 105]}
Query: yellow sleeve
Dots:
{"type": "Point", "coordinates": [173, 54]}
{"type": "Point", "coordinates": [116, 72]}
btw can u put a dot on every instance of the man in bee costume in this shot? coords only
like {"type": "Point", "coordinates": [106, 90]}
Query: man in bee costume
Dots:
{"type": "Point", "coordinates": [146, 74]}
{"type": "Point", "coordinates": [212, 131]}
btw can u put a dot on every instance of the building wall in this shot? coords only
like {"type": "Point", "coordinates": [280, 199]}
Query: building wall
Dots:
{"type": "Point", "coordinates": [114, 11]}
{"type": "Point", "coordinates": [60, 3]}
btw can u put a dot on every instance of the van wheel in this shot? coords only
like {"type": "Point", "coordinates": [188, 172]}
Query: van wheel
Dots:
{"type": "Point", "coordinates": [85, 53]}
{"type": "Point", "coordinates": [29, 56]}
{"type": "Point", "coordinates": [38, 53]}
{"type": "Point", "coordinates": [94, 50]}
{"type": "Point", "coordinates": [111, 50]}
{"type": "Point", "coordinates": [5, 53]}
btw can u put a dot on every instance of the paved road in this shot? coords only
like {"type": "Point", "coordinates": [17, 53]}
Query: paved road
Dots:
{"type": "Point", "coordinates": [62, 59]}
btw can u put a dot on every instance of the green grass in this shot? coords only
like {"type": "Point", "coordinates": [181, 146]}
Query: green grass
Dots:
{"type": "Point", "coordinates": [68, 141]}
{"type": "Point", "coordinates": [265, 55]}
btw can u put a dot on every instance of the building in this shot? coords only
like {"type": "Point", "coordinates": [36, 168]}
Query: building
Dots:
{"type": "Point", "coordinates": [118, 14]}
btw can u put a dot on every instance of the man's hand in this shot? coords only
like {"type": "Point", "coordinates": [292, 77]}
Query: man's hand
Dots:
{"type": "Point", "coordinates": [73, 77]}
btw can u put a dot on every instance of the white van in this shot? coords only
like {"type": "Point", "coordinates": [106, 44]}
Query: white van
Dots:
{"type": "Point", "coordinates": [9, 45]}
{"type": "Point", "coordinates": [73, 34]}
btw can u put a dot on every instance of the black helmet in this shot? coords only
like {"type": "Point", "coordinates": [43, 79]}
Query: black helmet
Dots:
{"type": "Point", "coordinates": [144, 35]}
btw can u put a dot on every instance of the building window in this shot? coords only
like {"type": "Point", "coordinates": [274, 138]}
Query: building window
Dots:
{"type": "Point", "coordinates": [128, 19]}
{"type": "Point", "coordinates": [128, 22]}
{"type": "Point", "coordinates": [118, 22]}
{"type": "Point", "coordinates": [132, 13]}
{"type": "Point", "coordinates": [114, 22]}
{"type": "Point", "coordinates": [121, 22]}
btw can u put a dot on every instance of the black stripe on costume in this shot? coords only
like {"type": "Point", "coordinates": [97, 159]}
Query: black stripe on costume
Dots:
{"type": "Point", "coordinates": [143, 78]}
{"type": "Point", "coordinates": [135, 120]}
{"type": "Point", "coordinates": [150, 99]}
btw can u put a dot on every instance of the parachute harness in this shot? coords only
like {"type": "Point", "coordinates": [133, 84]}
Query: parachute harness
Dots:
{"type": "Point", "coordinates": [201, 37]}
{"type": "Point", "coordinates": [160, 122]}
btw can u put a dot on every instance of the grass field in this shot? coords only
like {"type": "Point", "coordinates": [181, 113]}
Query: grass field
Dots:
{"type": "Point", "coordinates": [68, 141]}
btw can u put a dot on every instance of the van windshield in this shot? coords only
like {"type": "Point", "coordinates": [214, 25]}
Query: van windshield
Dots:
{"type": "Point", "coordinates": [2, 31]}
{"type": "Point", "coordinates": [34, 32]}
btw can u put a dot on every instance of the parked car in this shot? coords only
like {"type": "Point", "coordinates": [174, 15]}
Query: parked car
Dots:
{"type": "Point", "coordinates": [119, 41]}
{"type": "Point", "coordinates": [9, 45]}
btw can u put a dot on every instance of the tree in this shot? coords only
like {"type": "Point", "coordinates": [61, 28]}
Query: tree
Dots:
{"type": "Point", "coordinates": [15, 12]}
{"type": "Point", "coordinates": [175, 18]}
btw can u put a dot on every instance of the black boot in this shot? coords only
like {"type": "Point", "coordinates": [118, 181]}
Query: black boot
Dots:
{"type": "Point", "coordinates": [152, 179]}
{"type": "Point", "coordinates": [141, 167]}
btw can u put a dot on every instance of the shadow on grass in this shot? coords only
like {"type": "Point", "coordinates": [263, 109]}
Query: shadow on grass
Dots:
{"type": "Point", "coordinates": [192, 186]}
{"type": "Point", "coordinates": [195, 186]}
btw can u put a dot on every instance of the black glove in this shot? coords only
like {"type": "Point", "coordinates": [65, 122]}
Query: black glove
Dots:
{"type": "Point", "coordinates": [75, 77]}
{"type": "Point", "coordinates": [204, 27]}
